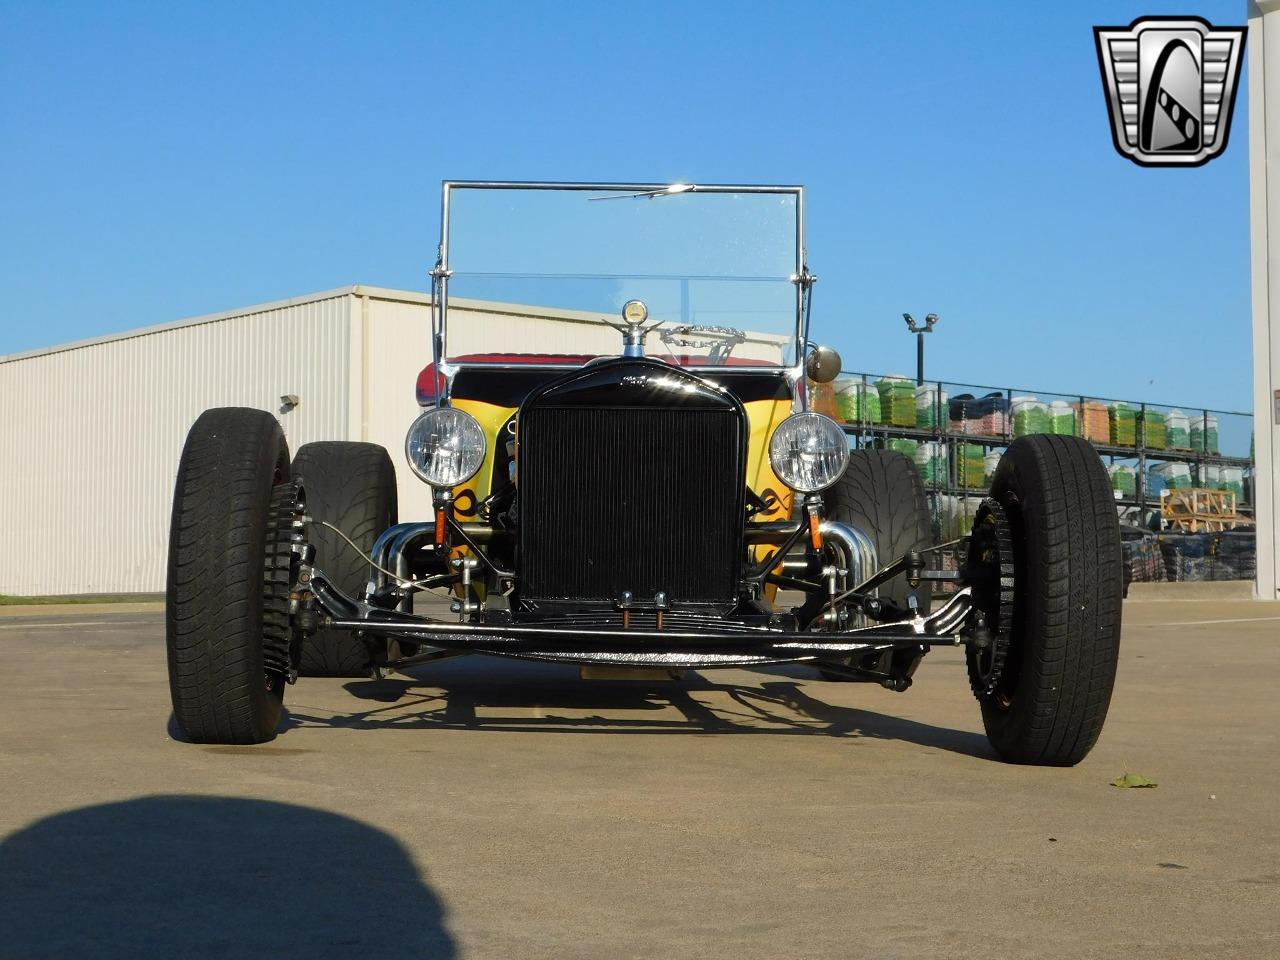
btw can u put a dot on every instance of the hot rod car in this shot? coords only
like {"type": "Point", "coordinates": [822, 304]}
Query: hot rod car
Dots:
{"type": "Point", "coordinates": [625, 474]}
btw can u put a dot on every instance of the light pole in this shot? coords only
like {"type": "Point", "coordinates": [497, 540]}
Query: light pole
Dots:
{"type": "Point", "coordinates": [920, 331]}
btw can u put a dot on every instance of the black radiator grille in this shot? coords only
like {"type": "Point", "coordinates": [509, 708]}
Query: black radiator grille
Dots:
{"type": "Point", "coordinates": [633, 498]}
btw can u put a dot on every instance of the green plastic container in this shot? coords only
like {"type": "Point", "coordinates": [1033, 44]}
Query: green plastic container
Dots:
{"type": "Point", "coordinates": [1029, 416]}
{"type": "Point", "coordinates": [857, 402]}
{"type": "Point", "coordinates": [989, 464]}
{"type": "Point", "coordinates": [902, 446]}
{"type": "Point", "coordinates": [897, 401]}
{"type": "Point", "coordinates": [1123, 480]}
{"type": "Point", "coordinates": [1174, 476]}
{"type": "Point", "coordinates": [1233, 480]}
{"type": "Point", "coordinates": [931, 407]}
{"type": "Point", "coordinates": [1154, 430]}
{"type": "Point", "coordinates": [1177, 433]}
{"type": "Point", "coordinates": [1124, 425]}
{"type": "Point", "coordinates": [1204, 433]}
{"type": "Point", "coordinates": [931, 461]}
{"type": "Point", "coordinates": [1062, 418]}
{"type": "Point", "coordinates": [970, 466]}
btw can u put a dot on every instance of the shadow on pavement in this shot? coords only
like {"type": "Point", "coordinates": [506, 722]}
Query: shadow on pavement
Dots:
{"type": "Point", "coordinates": [472, 694]}
{"type": "Point", "coordinates": [170, 876]}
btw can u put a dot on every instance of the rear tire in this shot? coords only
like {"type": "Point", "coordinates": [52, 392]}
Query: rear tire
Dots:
{"type": "Point", "coordinates": [882, 494]}
{"type": "Point", "coordinates": [1052, 697]}
{"type": "Point", "coordinates": [228, 578]}
{"type": "Point", "coordinates": [353, 487]}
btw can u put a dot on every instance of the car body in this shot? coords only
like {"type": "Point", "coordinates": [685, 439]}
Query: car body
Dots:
{"type": "Point", "coordinates": [625, 475]}
{"type": "Point", "coordinates": [681, 517]}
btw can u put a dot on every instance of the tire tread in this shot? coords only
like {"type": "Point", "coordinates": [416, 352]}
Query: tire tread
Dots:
{"type": "Point", "coordinates": [214, 595]}
{"type": "Point", "coordinates": [353, 486]}
{"type": "Point", "coordinates": [1067, 619]}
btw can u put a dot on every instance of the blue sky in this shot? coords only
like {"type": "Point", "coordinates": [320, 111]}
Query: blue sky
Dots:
{"type": "Point", "coordinates": [167, 160]}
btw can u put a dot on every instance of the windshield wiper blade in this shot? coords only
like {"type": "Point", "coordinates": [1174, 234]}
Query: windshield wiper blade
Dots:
{"type": "Point", "coordinates": [668, 191]}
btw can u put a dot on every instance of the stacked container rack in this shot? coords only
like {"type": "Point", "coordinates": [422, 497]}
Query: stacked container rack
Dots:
{"type": "Point", "coordinates": [1143, 429]}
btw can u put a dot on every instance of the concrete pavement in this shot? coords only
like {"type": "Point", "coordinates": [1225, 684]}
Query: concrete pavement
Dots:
{"type": "Point", "coordinates": [490, 809]}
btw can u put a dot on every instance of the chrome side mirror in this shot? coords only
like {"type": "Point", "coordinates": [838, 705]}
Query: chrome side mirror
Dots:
{"type": "Point", "coordinates": [822, 365]}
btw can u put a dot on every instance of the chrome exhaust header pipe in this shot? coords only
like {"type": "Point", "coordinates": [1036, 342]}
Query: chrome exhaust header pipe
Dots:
{"type": "Point", "coordinates": [856, 549]}
{"type": "Point", "coordinates": [390, 553]}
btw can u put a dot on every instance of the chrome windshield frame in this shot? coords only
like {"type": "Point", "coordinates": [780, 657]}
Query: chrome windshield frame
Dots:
{"type": "Point", "coordinates": [801, 279]}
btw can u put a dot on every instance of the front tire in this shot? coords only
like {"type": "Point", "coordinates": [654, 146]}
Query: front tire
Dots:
{"type": "Point", "coordinates": [353, 487]}
{"type": "Point", "coordinates": [226, 607]}
{"type": "Point", "coordinates": [1052, 696]}
{"type": "Point", "coordinates": [882, 494]}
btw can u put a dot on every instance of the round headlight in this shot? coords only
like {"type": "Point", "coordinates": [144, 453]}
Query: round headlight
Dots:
{"type": "Point", "coordinates": [445, 446]}
{"type": "Point", "coordinates": [809, 452]}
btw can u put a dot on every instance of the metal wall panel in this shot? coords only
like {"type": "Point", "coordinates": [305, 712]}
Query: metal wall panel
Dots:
{"type": "Point", "coordinates": [478, 326]}
{"type": "Point", "coordinates": [91, 432]}
{"type": "Point", "coordinates": [90, 436]}
{"type": "Point", "coordinates": [397, 345]}
{"type": "Point", "coordinates": [472, 329]}
{"type": "Point", "coordinates": [1264, 208]}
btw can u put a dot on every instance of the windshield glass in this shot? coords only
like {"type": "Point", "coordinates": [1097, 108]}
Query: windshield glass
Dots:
{"type": "Point", "coordinates": [539, 275]}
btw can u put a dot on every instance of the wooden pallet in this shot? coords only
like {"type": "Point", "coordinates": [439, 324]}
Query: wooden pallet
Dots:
{"type": "Point", "coordinates": [1197, 510]}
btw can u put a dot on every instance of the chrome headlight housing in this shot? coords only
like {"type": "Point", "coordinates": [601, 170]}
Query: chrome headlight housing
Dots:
{"type": "Point", "coordinates": [808, 452]}
{"type": "Point", "coordinates": [445, 446]}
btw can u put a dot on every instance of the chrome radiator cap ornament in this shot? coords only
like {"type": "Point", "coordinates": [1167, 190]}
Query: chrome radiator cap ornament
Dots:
{"type": "Point", "coordinates": [1170, 84]}
{"type": "Point", "coordinates": [634, 312]}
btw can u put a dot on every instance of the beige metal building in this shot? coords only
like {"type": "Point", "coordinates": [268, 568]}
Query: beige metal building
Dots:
{"type": "Point", "coordinates": [93, 430]}
{"type": "Point", "coordinates": [1264, 207]}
